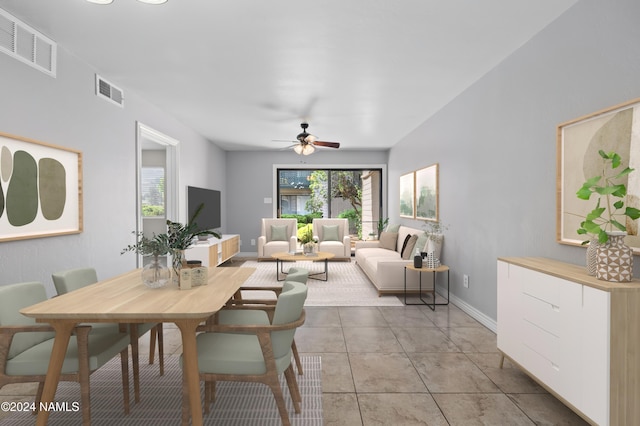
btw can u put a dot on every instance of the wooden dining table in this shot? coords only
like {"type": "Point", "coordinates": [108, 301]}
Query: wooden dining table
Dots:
{"type": "Point", "coordinates": [125, 299]}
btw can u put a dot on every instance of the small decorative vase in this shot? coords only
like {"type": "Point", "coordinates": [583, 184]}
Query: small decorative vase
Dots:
{"type": "Point", "coordinates": [592, 250]}
{"type": "Point", "coordinates": [614, 259]}
{"type": "Point", "coordinates": [309, 249]}
{"type": "Point", "coordinates": [155, 274]}
{"type": "Point", "coordinates": [176, 263]}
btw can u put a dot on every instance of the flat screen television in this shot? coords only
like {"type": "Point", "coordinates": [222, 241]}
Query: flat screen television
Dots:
{"type": "Point", "coordinates": [210, 216]}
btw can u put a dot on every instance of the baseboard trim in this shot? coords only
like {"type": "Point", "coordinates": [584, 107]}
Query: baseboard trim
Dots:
{"type": "Point", "coordinates": [488, 322]}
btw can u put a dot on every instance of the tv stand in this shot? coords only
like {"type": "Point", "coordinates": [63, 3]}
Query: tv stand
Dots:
{"type": "Point", "coordinates": [214, 251]}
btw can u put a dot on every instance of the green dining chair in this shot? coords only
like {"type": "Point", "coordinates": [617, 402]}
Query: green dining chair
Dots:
{"type": "Point", "coordinates": [253, 353]}
{"type": "Point", "coordinates": [74, 279]}
{"type": "Point", "coordinates": [235, 314]}
{"type": "Point", "coordinates": [25, 347]}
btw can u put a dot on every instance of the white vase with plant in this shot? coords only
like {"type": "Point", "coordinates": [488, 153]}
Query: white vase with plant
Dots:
{"type": "Point", "coordinates": [308, 241]}
{"type": "Point", "coordinates": [606, 224]}
{"type": "Point", "coordinates": [435, 237]}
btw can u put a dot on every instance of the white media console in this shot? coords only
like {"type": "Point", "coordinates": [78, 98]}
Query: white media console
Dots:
{"type": "Point", "coordinates": [214, 251]}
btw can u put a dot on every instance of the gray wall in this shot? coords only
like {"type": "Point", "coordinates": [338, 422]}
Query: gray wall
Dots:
{"type": "Point", "coordinates": [496, 142]}
{"type": "Point", "coordinates": [65, 111]}
{"type": "Point", "coordinates": [250, 179]}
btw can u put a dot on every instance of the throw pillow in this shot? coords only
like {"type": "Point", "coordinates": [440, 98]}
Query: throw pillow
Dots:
{"type": "Point", "coordinates": [408, 250]}
{"type": "Point", "coordinates": [393, 228]}
{"type": "Point", "coordinates": [388, 240]}
{"type": "Point", "coordinates": [404, 244]}
{"type": "Point", "coordinates": [278, 232]}
{"type": "Point", "coordinates": [330, 233]}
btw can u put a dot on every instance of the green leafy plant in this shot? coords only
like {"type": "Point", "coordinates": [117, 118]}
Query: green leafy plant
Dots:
{"type": "Point", "coordinates": [179, 236]}
{"type": "Point", "coordinates": [610, 210]}
{"type": "Point", "coordinates": [434, 229]}
{"type": "Point", "coordinates": [305, 234]}
{"type": "Point", "coordinates": [147, 246]}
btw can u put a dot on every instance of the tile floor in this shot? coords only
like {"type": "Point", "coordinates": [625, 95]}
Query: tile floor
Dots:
{"type": "Point", "coordinates": [405, 366]}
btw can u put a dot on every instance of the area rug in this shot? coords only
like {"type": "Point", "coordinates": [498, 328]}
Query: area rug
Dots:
{"type": "Point", "coordinates": [347, 284]}
{"type": "Point", "coordinates": [236, 403]}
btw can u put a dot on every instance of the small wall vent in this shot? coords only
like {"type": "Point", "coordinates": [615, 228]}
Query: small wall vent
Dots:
{"type": "Point", "coordinates": [108, 91]}
{"type": "Point", "coordinates": [27, 45]}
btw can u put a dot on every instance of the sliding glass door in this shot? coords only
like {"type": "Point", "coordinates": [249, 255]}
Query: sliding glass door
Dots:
{"type": "Point", "coordinates": [354, 194]}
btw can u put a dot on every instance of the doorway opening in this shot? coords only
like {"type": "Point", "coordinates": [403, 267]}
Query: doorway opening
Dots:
{"type": "Point", "coordinates": [157, 182]}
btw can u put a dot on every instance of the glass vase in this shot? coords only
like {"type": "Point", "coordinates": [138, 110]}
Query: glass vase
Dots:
{"type": "Point", "coordinates": [155, 274]}
{"type": "Point", "coordinates": [176, 263]}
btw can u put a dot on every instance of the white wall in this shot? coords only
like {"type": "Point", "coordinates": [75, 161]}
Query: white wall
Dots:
{"type": "Point", "coordinates": [250, 180]}
{"type": "Point", "coordinates": [496, 142]}
{"type": "Point", "coordinates": [65, 111]}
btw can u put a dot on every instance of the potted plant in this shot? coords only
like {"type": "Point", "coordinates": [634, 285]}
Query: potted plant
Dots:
{"type": "Point", "coordinates": [605, 222]}
{"type": "Point", "coordinates": [306, 238]}
{"type": "Point", "coordinates": [382, 223]}
{"type": "Point", "coordinates": [179, 237]}
{"type": "Point", "coordinates": [435, 233]}
{"type": "Point", "coordinates": [154, 273]}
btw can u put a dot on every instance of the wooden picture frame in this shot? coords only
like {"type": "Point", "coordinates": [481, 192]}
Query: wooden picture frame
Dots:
{"type": "Point", "coordinates": [578, 141]}
{"type": "Point", "coordinates": [40, 189]}
{"type": "Point", "coordinates": [426, 198]}
{"type": "Point", "coordinates": [407, 195]}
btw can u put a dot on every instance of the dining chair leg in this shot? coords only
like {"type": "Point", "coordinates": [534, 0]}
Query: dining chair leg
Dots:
{"type": "Point", "coordinates": [160, 337]}
{"type": "Point", "coordinates": [152, 344]}
{"type": "Point", "coordinates": [38, 396]}
{"type": "Point", "coordinates": [294, 349]}
{"type": "Point", "coordinates": [294, 390]}
{"type": "Point", "coordinates": [282, 408]}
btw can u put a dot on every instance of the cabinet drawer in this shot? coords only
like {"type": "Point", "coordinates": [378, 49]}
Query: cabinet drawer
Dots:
{"type": "Point", "coordinates": [543, 369]}
{"type": "Point", "coordinates": [541, 286]}
{"type": "Point", "coordinates": [541, 314]}
{"type": "Point", "coordinates": [541, 342]}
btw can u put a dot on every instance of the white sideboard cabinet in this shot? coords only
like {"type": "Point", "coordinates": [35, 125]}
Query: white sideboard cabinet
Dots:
{"type": "Point", "coordinates": [214, 251]}
{"type": "Point", "coordinates": [577, 336]}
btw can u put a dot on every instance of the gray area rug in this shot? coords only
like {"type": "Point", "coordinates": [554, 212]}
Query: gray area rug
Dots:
{"type": "Point", "coordinates": [236, 403]}
{"type": "Point", "coordinates": [347, 284]}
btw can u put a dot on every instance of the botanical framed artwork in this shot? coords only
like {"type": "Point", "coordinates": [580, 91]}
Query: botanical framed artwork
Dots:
{"type": "Point", "coordinates": [427, 193]}
{"type": "Point", "coordinates": [614, 129]}
{"type": "Point", "coordinates": [40, 189]}
{"type": "Point", "coordinates": [407, 195]}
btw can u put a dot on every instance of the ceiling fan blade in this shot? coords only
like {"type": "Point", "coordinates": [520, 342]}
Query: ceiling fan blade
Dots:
{"type": "Point", "coordinates": [327, 144]}
{"type": "Point", "coordinates": [284, 140]}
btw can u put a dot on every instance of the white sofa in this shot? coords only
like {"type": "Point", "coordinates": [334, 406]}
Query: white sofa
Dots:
{"type": "Point", "coordinates": [385, 268]}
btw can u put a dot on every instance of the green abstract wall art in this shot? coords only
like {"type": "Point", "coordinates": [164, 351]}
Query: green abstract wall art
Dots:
{"type": "Point", "coordinates": [40, 189]}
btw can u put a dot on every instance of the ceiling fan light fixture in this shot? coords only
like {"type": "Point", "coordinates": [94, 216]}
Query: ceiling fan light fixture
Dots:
{"type": "Point", "coordinates": [310, 139]}
{"type": "Point", "coordinates": [298, 149]}
{"type": "Point", "coordinates": [308, 149]}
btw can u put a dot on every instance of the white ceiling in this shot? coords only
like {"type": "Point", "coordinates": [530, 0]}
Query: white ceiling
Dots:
{"type": "Point", "coordinates": [243, 72]}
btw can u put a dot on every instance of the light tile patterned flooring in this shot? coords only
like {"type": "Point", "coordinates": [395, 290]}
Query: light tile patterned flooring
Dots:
{"type": "Point", "coordinates": [405, 366]}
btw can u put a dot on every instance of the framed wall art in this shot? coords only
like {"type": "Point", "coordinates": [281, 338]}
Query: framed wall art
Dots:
{"type": "Point", "coordinates": [40, 189]}
{"type": "Point", "coordinates": [427, 193]}
{"type": "Point", "coordinates": [407, 195]}
{"type": "Point", "coordinates": [614, 129]}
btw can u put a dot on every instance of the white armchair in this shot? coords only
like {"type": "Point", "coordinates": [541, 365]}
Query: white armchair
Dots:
{"type": "Point", "coordinates": [277, 236]}
{"type": "Point", "coordinates": [333, 237]}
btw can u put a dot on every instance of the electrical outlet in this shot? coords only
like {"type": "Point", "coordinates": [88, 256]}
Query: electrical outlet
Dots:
{"type": "Point", "coordinates": [253, 242]}
{"type": "Point", "coordinates": [465, 281]}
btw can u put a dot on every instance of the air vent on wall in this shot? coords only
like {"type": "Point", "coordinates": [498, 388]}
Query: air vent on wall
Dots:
{"type": "Point", "coordinates": [108, 91]}
{"type": "Point", "coordinates": [25, 44]}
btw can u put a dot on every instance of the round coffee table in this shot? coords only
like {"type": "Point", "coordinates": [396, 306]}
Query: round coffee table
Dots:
{"type": "Point", "coordinates": [299, 257]}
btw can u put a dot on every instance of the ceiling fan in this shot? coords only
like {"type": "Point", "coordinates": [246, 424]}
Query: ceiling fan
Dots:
{"type": "Point", "coordinates": [307, 142]}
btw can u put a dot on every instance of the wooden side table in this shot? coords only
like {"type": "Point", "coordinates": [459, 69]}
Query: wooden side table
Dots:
{"type": "Point", "coordinates": [441, 268]}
